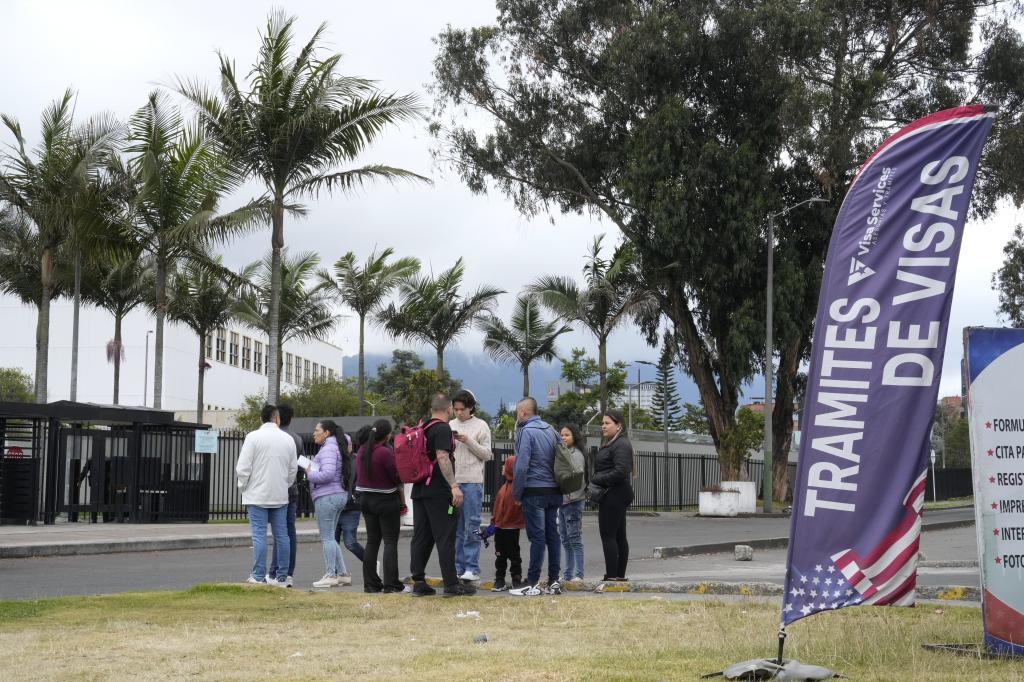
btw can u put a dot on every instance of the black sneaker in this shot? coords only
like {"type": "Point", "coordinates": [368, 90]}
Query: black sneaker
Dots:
{"type": "Point", "coordinates": [499, 586]}
{"type": "Point", "coordinates": [554, 587]}
{"type": "Point", "coordinates": [459, 591]}
{"type": "Point", "coordinates": [422, 589]}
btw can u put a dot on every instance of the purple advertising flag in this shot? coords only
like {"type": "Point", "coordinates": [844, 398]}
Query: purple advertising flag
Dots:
{"type": "Point", "coordinates": [876, 362]}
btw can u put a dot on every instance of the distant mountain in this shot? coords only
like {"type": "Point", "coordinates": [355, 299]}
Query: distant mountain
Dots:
{"type": "Point", "coordinates": [491, 382]}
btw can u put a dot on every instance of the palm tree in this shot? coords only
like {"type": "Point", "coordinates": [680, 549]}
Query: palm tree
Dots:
{"type": "Point", "coordinates": [203, 299]}
{"type": "Point", "coordinates": [48, 188]}
{"type": "Point", "coordinates": [433, 310]}
{"type": "Point", "coordinates": [297, 122]}
{"type": "Point", "coordinates": [526, 339]}
{"type": "Point", "coordinates": [610, 298]}
{"type": "Point", "coordinates": [174, 181]}
{"type": "Point", "coordinates": [364, 288]}
{"type": "Point", "coordinates": [305, 314]}
{"type": "Point", "coordinates": [20, 251]}
{"type": "Point", "coordinates": [119, 285]}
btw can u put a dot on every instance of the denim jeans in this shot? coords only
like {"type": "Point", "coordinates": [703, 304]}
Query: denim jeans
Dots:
{"type": "Point", "coordinates": [467, 533]}
{"type": "Point", "coordinates": [570, 527]}
{"type": "Point", "coordinates": [541, 514]}
{"type": "Point", "coordinates": [347, 531]}
{"type": "Point", "coordinates": [328, 509]}
{"type": "Point", "coordinates": [277, 517]}
{"type": "Point", "coordinates": [293, 537]}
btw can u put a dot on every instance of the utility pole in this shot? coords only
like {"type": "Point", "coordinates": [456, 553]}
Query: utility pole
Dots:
{"type": "Point", "coordinates": [769, 352]}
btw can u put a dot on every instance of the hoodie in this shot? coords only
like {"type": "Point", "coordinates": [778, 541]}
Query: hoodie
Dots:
{"type": "Point", "coordinates": [507, 512]}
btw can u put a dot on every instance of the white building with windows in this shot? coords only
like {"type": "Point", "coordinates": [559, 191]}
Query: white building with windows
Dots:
{"type": "Point", "coordinates": [639, 395]}
{"type": "Point", "coordinates": [236, 355]}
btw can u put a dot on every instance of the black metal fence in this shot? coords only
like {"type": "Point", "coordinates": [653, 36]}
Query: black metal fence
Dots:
{"type": "Point", "coordinates": [662, 482]}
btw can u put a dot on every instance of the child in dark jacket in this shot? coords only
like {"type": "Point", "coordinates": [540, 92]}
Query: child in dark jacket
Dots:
{"type": "Point", "coordinates": [508, 520]}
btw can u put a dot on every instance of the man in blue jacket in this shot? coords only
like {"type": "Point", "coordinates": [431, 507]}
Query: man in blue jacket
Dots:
{"type": "Point", "coordinates": [534, 486]}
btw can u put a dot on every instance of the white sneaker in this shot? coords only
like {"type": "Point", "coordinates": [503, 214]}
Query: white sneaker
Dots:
{"type": "Point", "coordinates": [277, 583]}
{"type": "Point", "coordinates": [289, 582]}
{"type": "Point", "coordinates": [470, 576]}
{"type": "Point", "coordinates": [528, 591]}
{"type": "Point", "coordinates": [253, 581]}
{"type": "Point", "coordinates": [553, 588]}
{"type": "Point", "coordinates": [328, 581]}
{"type": "Point", "coordinates": [345, 579]}
{"type": "Point", "coordinates": [576, 581]}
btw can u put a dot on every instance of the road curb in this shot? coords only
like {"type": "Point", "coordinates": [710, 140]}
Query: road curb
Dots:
{"type": "Point", "coordinates": [83, 548]}
{"type": "Point", "coordinates": [716, 588]}
{"type": "Point", "coordinates": [770, 543]}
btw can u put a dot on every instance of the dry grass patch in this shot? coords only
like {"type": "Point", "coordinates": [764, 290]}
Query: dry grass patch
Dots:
{"type": "Point", "coordinates": [240, 632]}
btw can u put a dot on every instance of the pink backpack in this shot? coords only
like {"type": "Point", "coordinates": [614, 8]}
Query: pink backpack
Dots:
{"type": "Point", "coordinates": [411, 453]}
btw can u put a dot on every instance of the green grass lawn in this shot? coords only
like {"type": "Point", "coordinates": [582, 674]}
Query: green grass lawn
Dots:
{"type": "Point", "coordinates": [243, 632]}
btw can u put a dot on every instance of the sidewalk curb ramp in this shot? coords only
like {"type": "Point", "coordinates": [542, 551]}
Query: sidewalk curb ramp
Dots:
{"type": "Point", "coordinates": [771, 543]}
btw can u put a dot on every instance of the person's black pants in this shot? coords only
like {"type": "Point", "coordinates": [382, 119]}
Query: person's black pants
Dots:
{"type": "Point", "coordinates": [382, 516]}
{"type": "Point", "coordinates": [506, 553]}
{"type": "Point", "coordinates": [611, 520]}
{"type": "Point", "coordinates": [433, 525]}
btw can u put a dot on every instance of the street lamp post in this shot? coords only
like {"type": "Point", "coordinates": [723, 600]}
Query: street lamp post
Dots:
{"type": "Point", "coordinates": [769, 352]}
{"type": "Point", "coordinates": [145, 374]}
{"type": "Point", "coordinates": [664, 388]}
{"type": "Point", "coordinates": [664, 424]}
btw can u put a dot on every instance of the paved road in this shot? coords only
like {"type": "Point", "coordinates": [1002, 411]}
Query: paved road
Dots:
{"type": "Point", "coordinates": [171, 570]}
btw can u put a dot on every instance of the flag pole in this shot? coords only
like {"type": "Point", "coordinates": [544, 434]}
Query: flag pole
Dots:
{"type": "Point", "coordinates": [782, 642]}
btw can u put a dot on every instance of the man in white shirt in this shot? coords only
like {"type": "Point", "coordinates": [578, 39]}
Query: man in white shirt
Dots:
{"type": "Point", "coordinates": [472, 449]}
{"type": "Point", "coordinates": [266, 468]}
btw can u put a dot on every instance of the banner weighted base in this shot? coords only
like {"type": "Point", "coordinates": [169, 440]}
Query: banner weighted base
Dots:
{"type": "Point", "coordinates": [768, 669]}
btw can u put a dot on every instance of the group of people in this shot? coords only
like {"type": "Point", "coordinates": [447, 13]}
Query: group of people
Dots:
{"type": "Point", "coordinates": [358, 474]}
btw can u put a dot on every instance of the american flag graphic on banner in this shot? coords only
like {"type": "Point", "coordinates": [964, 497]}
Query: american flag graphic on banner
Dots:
{"type": "Point", "coordinates": [885, 575]}
{"type": "Point", "coordinates": [876, 362]}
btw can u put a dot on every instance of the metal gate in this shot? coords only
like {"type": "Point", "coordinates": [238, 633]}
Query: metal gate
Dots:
{"type": "Point", "coordinates": [145, 474]}
{"type": "Point", "coordinates": [21, 452]}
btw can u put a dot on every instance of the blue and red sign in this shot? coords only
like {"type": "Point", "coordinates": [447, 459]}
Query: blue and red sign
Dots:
{"type": "Point", "coordinates": [995, 374]}
{"type": "Point", "coordinates": [876, 362]}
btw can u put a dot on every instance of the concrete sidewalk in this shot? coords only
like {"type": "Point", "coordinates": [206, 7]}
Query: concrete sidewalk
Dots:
{"type": "Point", "coordinates": [73, 539]}
{"type": "Point", "coordinates": [668, 534]}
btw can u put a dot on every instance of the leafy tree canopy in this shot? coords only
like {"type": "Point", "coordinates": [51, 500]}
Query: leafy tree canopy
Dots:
{"type": "Point", "coordinates": [15, 385]}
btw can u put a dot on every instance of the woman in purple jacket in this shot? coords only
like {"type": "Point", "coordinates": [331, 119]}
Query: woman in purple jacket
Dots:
{"type": "Point", "coordinates": [329, 498]}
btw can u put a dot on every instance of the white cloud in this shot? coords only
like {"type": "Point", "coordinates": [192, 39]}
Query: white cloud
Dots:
{"type": "Point", "coordinates": [115, 52]}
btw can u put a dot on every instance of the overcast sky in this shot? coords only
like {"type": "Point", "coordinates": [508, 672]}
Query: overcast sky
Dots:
{"type": "Point", "coordinates": [114, 53]}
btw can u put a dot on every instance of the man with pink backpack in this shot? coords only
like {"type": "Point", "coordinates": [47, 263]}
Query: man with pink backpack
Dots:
{"type": "Point", "coordinates": [424, 457]}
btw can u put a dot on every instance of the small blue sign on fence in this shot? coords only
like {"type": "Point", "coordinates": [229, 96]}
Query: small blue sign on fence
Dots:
{"type": "Point", "coordinates": [206, 441]}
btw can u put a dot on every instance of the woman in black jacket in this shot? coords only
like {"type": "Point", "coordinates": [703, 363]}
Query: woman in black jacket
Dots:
{"type": "Point", "coordinates": [613, 468]}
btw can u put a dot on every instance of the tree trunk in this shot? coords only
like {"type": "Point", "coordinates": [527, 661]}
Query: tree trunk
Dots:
{"type": "Point", "coordinates": [440, 363]}
{"type": "Point", "coordinates": [202, 377]}
{"type": "Point", "coordinates": [602, 370]}
{"type": "Point", "coordinates": [161, 316]}
{"type": "Point", "coordinates": [43, 324]}
{"type": "Point", "coordinates": [274, 340]}
{"type": "Point", "coordinates": [526, 380]}
{"type": "Point", "coordinates": [782, 414]}
{"type": "Point", "coordinates": [76, 308]}
{"type": "Point", "coordinates": [719, 403]}
{"type": "Point", "coordinates": [362, 366]}
{"type": "Point", "coordinates": [118, 317]}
